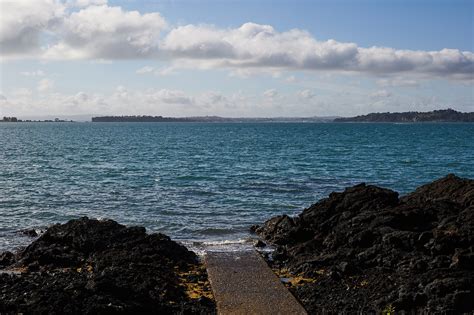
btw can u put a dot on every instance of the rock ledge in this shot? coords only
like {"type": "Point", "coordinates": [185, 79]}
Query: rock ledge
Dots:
{"type": "Point", "coordinates": [369, 250]}
{"type": "Point", "coordinates": [94, 267]}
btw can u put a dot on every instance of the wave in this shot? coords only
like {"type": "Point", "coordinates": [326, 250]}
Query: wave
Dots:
{"type": "Point", "coordinates": [202, 247]}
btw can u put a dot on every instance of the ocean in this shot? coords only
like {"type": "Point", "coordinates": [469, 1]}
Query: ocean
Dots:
{"type": "Point", "coordinates": [205, 184]}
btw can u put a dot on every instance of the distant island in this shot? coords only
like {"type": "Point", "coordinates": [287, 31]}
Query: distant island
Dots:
{"type": "Point", "coordinates": [15, 119]}
{"type": "Point", "coordinates": [9, 119]}
{"type": "Point", "coordinates": [207, 119]}
{"type": "Point", "coordinates": [444, 115]}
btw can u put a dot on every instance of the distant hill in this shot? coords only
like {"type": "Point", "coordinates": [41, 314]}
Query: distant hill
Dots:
{"type": "Point", "coordinates": [207, 119]}
{"type": "Point", "coordinates": [444, 115]}
{"type": "Point", "coordinates": [140, 119]}
{"type": "Point", "coordinates": [78, 118]}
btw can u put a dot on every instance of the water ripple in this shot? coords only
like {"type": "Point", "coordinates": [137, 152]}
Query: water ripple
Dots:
{"type": "Point", "coordinates": [208, 182]}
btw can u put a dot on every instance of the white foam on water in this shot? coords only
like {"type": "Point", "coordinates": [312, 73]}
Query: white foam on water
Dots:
{"type": "Point", "coordinates": [201, 247]}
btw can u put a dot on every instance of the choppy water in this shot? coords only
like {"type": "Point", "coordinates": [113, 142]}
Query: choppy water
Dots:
{"type": "Point", "coordinates": [208, 182]}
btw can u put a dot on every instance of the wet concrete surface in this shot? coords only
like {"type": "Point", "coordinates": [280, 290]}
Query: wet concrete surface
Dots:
{"type": "Point", "coordinates": [243, 283]}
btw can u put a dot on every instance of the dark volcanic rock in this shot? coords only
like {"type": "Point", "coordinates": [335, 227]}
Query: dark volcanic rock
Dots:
{"type": "Point", "coordinates": [6, 259]}
{"type": "Point", "coordinates": [91, 267]}
{"type": "Point", "coordinates": [370, 251]}
{"type": "Point", "coordinates": [29, 232]}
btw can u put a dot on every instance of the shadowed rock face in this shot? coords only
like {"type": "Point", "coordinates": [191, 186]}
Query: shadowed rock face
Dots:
{"type": "Point", "coordinates": [370, 250]}
{"type": "Point", "coordinates": [90, 266]}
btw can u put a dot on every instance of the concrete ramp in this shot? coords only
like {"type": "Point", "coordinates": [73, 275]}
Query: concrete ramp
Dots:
{"type": "Point", "coordinates": [243, 283]}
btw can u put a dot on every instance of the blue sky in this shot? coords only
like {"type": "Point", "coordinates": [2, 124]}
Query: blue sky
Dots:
{"type": "Point", "coordinates": [399, 24]}
{"type": "Point", "coordinates": [235, 58]}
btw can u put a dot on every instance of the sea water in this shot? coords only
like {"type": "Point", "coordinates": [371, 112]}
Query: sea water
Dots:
{"type": "Point", "coordinates": [207, 183]}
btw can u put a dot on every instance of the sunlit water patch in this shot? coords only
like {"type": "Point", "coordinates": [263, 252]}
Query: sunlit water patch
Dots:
{"type": "Point", "coordinates": [208, 183]}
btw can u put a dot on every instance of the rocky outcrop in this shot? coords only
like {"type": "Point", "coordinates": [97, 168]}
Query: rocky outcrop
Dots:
{"type": "Point", "coordinates": [91, 267]}
{"type": "Point", "coordinates": [369, 250]}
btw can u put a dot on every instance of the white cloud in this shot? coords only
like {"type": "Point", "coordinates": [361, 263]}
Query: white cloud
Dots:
{"type": "Point", "coordinates": [108, 33]}
{"type": "Point", "coordinates": [306, 94]}
{"type": "Point", "coordinates": [146, 69]}
{"type": "Point", "coordinates": [80, 97]}
{"type": "Point", "coordinates": [45, 85]}
{"type": "Point", "coordinates": [249, 72]}
{"type": "Point", "coordinates": [36, 73]}
{"type": "Point", "coordinates": [214, 97]}
{"type": "Point", "coordinates": [255, 46]}
{"type": "Point", "coordinates": [398, 82]}
{"type": "Point", "coordinates": [165, 71]}
{"type": "Point", "coordinates": [22, 22]}
{"type": "Point", "coordinates": [100, 31]}
{"type": "Point", "coordinates": [166, 102]}
{"type": "Point", "coordinates": [172, 97]}
{"type": "Point", "coordinates": [22, 93]}
{"type": "Point", "coordinates": [271, 93]}
{"type": "Point", "coordinates": [380, 94]}
{"type": "Point", "coordinates": [159, 72]}
{"type": "Point", "coordinates": [85, 3]}
{"type": "Point", "coordinates": [125, 101]}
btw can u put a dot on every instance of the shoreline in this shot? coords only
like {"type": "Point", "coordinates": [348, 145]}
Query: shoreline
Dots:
{"type": "Point", "coordinates": [242, 242]}
{"type": "Point", "coordinates": [350, 244]}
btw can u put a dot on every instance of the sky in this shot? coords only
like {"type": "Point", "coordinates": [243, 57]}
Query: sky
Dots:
{"type": "Point", "coordinates": [235, 58]}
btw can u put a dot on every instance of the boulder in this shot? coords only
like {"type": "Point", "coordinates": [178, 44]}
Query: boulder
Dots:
{"type": "Point", "coordinates": [89, 266]}
{"type": "Point", "coordinates": [370, 250]}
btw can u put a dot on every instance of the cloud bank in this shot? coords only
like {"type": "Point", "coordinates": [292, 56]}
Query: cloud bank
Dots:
{"type": "Point", "coordinates": [23, 23]}
{"type": "Point", "coordinates": [123, 100]}
{"type": "Point", "coordinates": [153, 101]}
{"type": "Point", "coordinates": [49, 29]}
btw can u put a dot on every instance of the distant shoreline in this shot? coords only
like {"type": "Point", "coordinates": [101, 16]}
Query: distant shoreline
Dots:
{"type": "Point", "coordinates": [15, 119]}
{"type": "Point", "coordinates": [209, 119]}
{"type": "Point", "coordinates": [446, 115]}
{"type": "Point", "coordinates": [436, 116]}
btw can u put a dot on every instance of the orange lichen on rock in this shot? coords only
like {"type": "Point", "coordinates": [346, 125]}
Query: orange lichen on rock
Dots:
{"type": "Point", "coordinates": [195, 282]}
